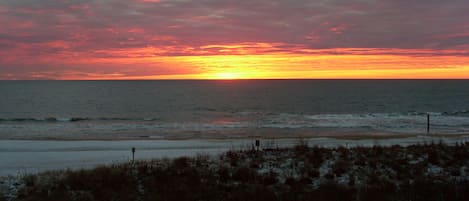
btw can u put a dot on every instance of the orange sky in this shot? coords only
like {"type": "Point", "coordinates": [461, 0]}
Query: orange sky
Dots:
{"type": "Point", "coordinates": [168, 39]}
{"type": "Point", "coordinates": [355, 63]}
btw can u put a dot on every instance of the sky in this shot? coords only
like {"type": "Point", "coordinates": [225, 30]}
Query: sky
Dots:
{"type": "Point", "coordinates": [234, 39]}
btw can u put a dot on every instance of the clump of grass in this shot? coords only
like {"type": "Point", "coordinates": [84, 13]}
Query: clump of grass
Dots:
{"type": "Point", "coordinates": [315, 156]}
{"type": "Point", "coordinates": [270, 178]}
{"type": "Point", "coordinates": [341, 166]}
{"type": "Point", "coordinates": [234, 157]}
{"type": "Point", "coordinates": [301, 147]}
{"type": "Point", "coordinates": [244, 174]}
{"type": "Point", "coordinates": [2, 197]}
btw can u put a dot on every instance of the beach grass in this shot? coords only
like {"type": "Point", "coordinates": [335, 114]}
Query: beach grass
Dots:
{"type": "Point", "coordinates": [424, 172]}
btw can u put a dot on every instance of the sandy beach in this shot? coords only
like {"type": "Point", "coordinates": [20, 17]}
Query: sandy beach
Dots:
{"type": "Point", "coordinates": [21, 157]}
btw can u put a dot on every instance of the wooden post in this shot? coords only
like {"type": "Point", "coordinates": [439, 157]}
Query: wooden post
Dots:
{"type": "Point", "coordinates": [133, 154]}
{"type": "Point", "coordinates": [428, 123]}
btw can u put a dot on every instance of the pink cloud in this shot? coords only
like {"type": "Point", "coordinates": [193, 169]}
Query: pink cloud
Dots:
{"type": "Point", "coordinates": [59, 33]}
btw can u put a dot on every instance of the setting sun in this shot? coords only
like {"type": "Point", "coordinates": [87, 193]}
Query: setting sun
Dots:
{"type": "Point", "coordinates": [228, 75]}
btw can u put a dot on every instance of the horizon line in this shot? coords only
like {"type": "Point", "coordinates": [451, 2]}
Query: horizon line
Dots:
{"type": "Point", "coordinates": [239, 79]}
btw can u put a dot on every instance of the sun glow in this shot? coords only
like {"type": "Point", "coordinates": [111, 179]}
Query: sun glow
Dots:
{"type": "Point", "coordinates": [343, 64]}
{"type": "Point", "coordinates": [323, 66]}
{"type": "Point", "coordinates": [227, 75]}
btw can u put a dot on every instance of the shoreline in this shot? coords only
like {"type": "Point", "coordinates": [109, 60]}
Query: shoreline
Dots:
{"type": "Point", "coordinates": [344, 136]}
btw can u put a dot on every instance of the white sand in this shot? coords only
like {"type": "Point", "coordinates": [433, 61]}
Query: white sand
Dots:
{"type": "Point", "coordinates": [25, 156]}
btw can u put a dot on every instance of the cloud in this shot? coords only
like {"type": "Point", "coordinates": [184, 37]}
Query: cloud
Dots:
{"type": "Point", "coordinates": [376, 24]}
{"type": "Point", "coordinates": [55, 31]}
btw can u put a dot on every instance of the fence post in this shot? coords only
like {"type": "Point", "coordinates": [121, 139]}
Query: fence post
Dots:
{"type": "Point", "coordinates": [428, 123]}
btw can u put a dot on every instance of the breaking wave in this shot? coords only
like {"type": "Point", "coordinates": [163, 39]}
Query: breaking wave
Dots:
{"type": "Point", "coordinates": [73, 119]}
{"type": "Point", "coordinates": [246, 121]}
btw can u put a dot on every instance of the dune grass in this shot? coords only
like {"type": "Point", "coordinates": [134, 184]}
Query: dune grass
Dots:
{"type": "Point", "coordinates": [418, 172]}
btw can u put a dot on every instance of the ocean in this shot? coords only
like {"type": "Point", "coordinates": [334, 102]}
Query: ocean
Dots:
{"type": "Point", "coordinates": [182, 109]}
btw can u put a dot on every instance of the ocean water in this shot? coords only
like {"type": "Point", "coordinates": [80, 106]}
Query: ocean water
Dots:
{"type": "Point", "coordinates": [229, 109]}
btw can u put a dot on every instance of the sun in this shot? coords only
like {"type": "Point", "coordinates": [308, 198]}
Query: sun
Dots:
{"type": "Point", "coordinates": [228, 75]}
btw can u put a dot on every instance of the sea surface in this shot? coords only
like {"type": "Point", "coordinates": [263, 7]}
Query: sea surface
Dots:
{"type": "Point", "coordinates": [230, 109]}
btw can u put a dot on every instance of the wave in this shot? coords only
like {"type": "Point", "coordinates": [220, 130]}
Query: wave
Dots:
{"type": "Point", "coordinates": [407, 122]}
{"type": "Point", "coordinates": [239, 123]}
{"type": "Point", "coordinates": [74, 119]}
{"type": "Point", "coordinates": [457, 113]}
{"type": "Point", "coordinates": [400, 122]}
{"type": "Point", "coordinates": [273, 116]}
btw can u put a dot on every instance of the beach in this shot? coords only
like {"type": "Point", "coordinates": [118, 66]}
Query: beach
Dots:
{"type": "Point", "coordinates": [426, 171]}
{"type": "Point", "coordinates": [21, 157]}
